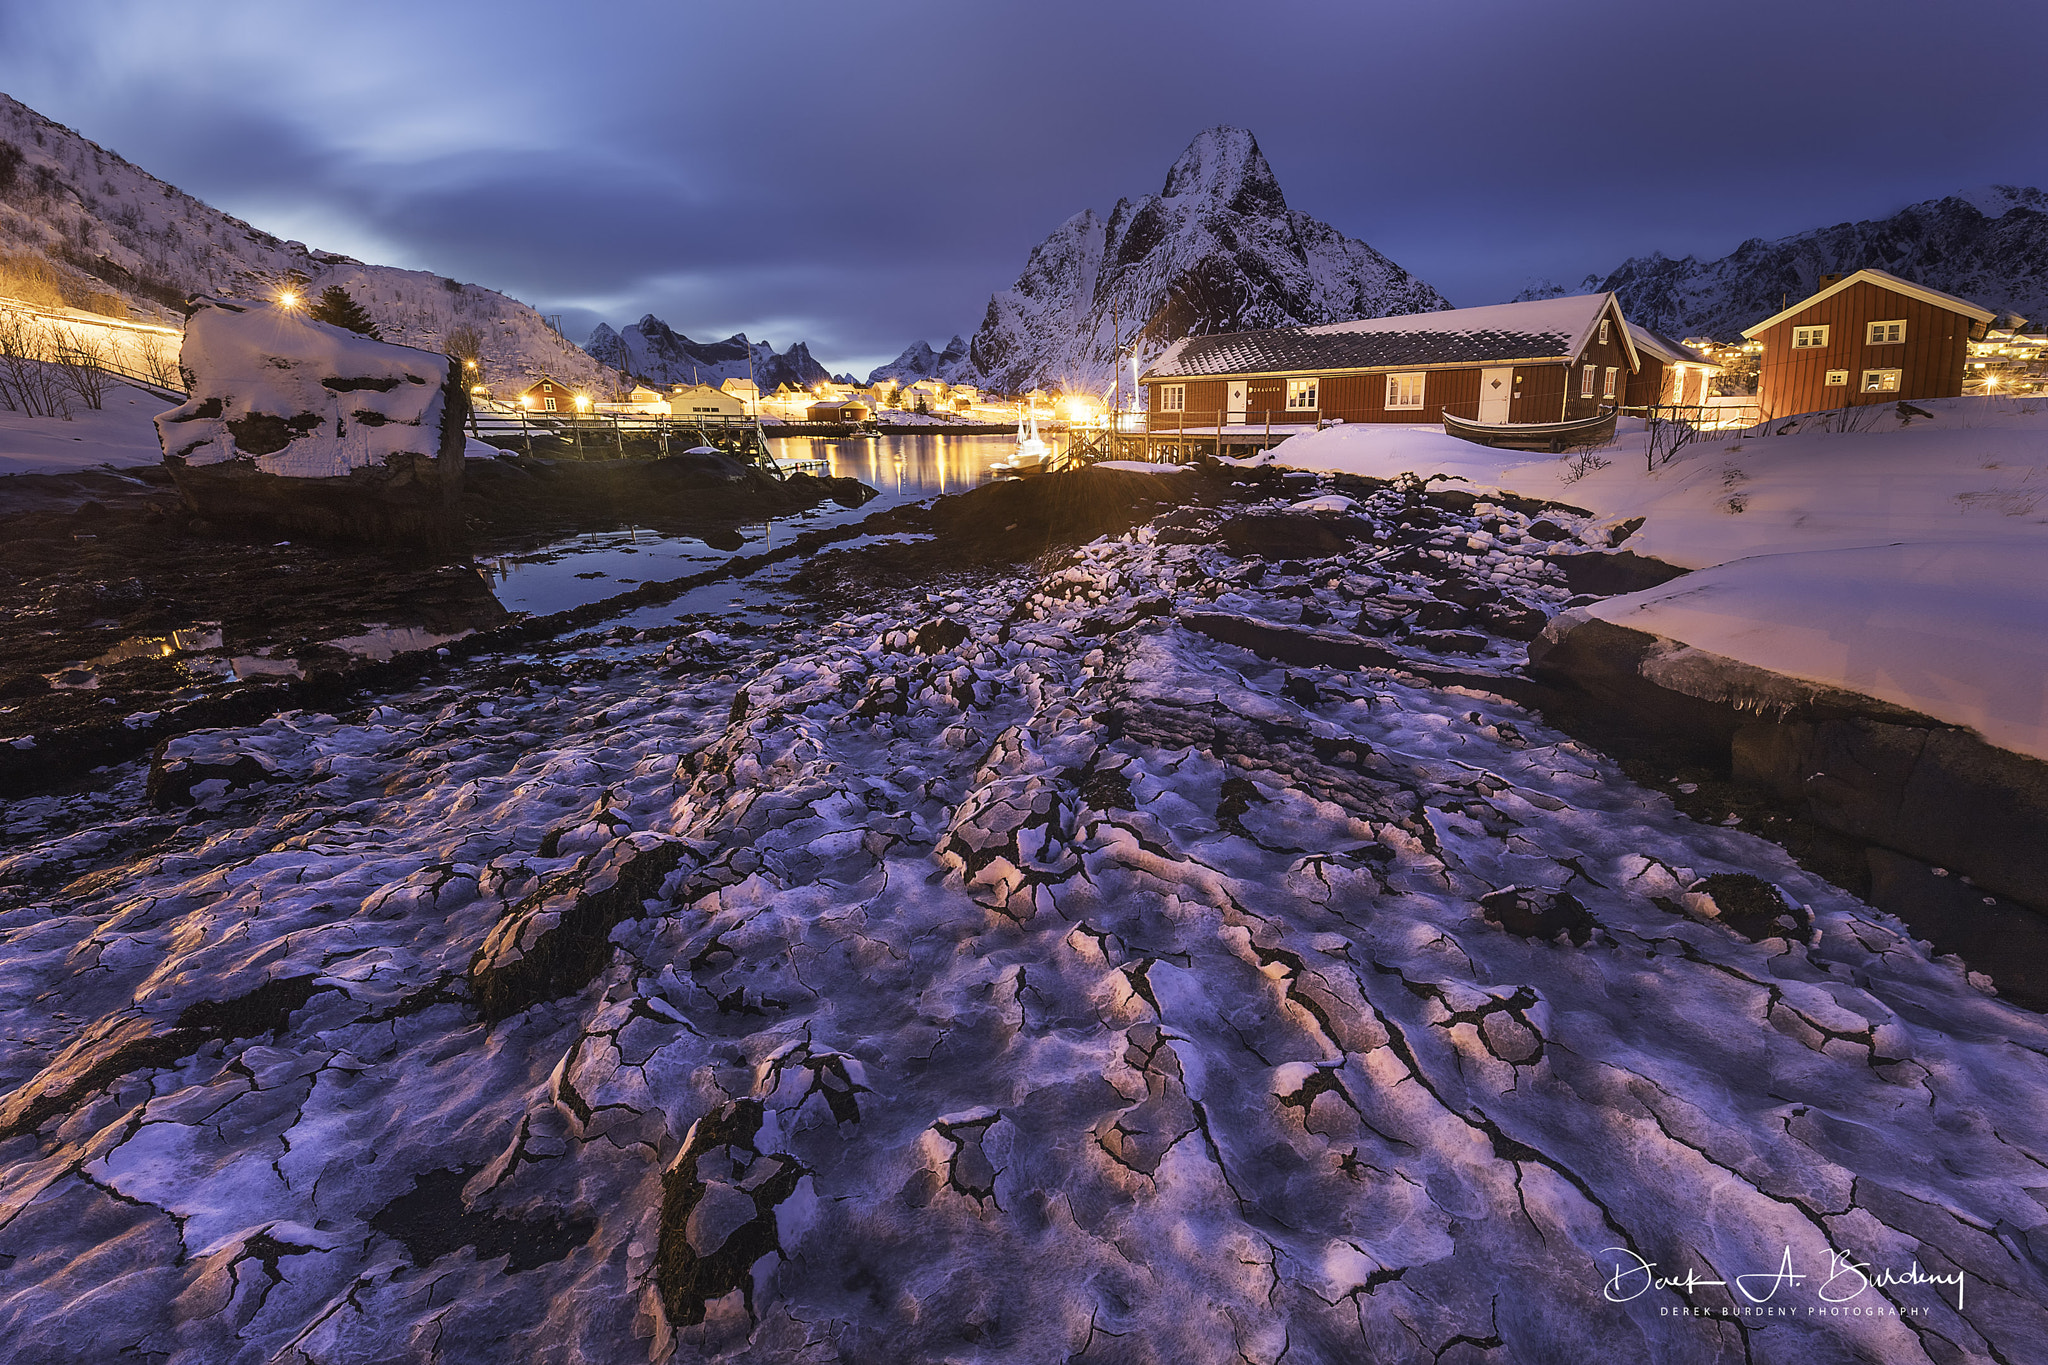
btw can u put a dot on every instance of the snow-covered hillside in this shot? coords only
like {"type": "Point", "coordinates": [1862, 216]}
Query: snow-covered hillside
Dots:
{"type": "Point", "coordinates": [1901, 561]}
{"type": "Point", "coordinates": [1988, 245]}
{"type": "Point", "coordinates": [1216, 250]}
{"type": "Point", "coordinates": [652, 350]}
{"type": "Point", "coordinates": [80, 222]}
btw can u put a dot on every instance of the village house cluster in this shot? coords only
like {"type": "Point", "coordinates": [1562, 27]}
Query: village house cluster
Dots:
{"type": "Point", "coordinates": [1863, 337]}
{"type": "Point", "coordinates": [741, 399]}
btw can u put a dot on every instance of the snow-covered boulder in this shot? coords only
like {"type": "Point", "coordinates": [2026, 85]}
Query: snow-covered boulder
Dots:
{"type": "Point", "coordinates": [310, 428]}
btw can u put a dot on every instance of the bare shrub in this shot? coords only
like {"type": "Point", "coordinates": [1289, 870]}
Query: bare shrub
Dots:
{"type": "Point", "coordinates": [81, 362]}
{"type": "Point", "coordinates": [1583, 461]}
{"type": "Point", "coordinates": [29, 382]}
{"type": "Point", "coordinates": [160, 363]}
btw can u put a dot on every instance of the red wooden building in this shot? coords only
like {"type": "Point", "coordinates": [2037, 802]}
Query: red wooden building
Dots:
{"type": "Point", "coordinates": [549, 395]}
{"type": "Point", "coordinates": [1672, 373]}
{"type": "Point", "coordinates": [1869, 337]}
{"type": "Point", "coordinates": [1542, 361]}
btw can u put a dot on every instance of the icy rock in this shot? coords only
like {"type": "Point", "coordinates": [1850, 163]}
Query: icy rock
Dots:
{"type": "Point", "coordinates": [556, 940]}
{"type": "Point", "coordinates": [719, 1146]}
{"type": "Point", "coordinates": [298, 426]}
{"type": "Point", "coordinates": [184, 771]}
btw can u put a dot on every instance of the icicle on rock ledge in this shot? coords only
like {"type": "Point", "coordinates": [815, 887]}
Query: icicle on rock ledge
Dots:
{"type": "Point", "coordinates": [296, 426]}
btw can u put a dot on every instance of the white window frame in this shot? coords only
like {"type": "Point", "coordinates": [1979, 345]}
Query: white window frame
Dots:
{"type": "Point", "coordinates": [1603, 331]}
{"type": "Point", "coordinates": [1810, 338]}
{"type": "Point", "coordinates": [1881, 386]}
{"type": "Point", "coordinates": [1301, 395]}
{"type": "Point", "coordinates": [1607, 385]}
{"type": "Point", "coordinates": [1404, 391]}
{"type": "Point", "coordinates": [1173, 398]}
{"type": "Point", "coordinates": [1880, 333]}
{"type": "Point", "coordinates": [1586, 380]}
{"type": "Point", "coordinates": [547, 404]}
{"type": "Point", "coordinates": [1836, 379]}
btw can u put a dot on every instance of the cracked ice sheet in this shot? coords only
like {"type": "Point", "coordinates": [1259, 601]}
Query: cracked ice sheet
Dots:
{"type": "Point", "coordinates": [1116, 1003]}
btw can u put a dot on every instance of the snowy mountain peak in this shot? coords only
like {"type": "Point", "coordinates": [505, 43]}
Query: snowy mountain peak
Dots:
{"type": "Point", "coordinates": [1224, 167]}
{"type": "Point", "coordinates": [1217, 251]}
{"type": "Point", "coordinates": [653, 351]}
{"type": "Point", "coordinates": [1995, 201]}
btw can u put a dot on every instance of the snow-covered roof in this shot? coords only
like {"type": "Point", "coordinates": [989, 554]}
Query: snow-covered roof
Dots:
{"type": "Point", "coordinates": [1499, 333]}
{"type": "Point", "coordinates": [1882, 280]}
{"type": "Point", "coordinates": [1665, 349]}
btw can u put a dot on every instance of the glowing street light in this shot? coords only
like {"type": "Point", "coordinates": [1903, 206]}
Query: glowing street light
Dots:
{"type": "Point", "coordinates": [288, 298]}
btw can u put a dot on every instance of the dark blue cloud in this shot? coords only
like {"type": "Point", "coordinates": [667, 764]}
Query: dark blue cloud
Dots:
{"type": "Point", "coordinates": [861, 176]}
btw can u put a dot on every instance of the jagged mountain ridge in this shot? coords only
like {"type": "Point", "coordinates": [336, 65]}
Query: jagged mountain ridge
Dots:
{"type": "Point", "coordinates": [653, 351]}
{"type": "Point", "coordinates": [83, 222]}
{"type": "Point", "coordinates": [920, 361]}
{"type": "Point", "coordinates": [1988, 245]}
{"type": "Point", "coordinates": [1216, 250]}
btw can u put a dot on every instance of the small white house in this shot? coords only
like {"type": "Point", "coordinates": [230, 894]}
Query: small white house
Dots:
{"type": "Point", "coordinates": [701, 400]}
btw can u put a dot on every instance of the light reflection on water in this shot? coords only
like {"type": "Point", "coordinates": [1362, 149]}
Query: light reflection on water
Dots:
{"type": "Point", "coordinates": [601, 564]}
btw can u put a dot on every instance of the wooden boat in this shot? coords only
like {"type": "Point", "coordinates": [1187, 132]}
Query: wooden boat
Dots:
{"type": "Point", "coordinates": [1550, 436]}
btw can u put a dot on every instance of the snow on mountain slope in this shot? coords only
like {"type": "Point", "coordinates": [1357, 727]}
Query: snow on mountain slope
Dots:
{"type": "Point", "coordinates": [652, 350]}
{"type": "Point", "coordinates": [79, 221]}
{"type": "Point", "coordinates": [1217, 250]}
{"type": "Point", "coordinates": [1988, 245]}
{"type": "Point", "coordinates": [920, 361]}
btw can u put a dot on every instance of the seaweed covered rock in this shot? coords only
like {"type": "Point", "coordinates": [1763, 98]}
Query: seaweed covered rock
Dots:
{"type": "Point", "coordinates": [297, 426]}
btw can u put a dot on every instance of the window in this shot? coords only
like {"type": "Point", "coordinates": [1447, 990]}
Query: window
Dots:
{"type": "Point", "coordinates": [548, 403]}
{"type": "Point", "coordinates": [1885, 333]}
{"type": "Point", "coordinates": [1301, 395]}
{"type": "Point", "coordinates": [1806, 338]}
{"type": "Point", "coordinates": [1608, 390]}
{"type": "Point", "coordinates": [1838, 379]}
{"type": "Point", "coordinates": [1404, 390]}
{"type": "Point", "coordinates": [1173, 397]}
{"type": "Point", "coordinates": [1586, 381]}
{"type": "Point", "coordinates": [1603, 331]}
{"type": "Point", "coordinates": [1881, 381]}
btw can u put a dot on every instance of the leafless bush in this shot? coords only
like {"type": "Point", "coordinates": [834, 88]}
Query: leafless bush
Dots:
{"type": "Point", "coordinates": [81, 362]}
{"type": "Point", "coordinates": [160, 363]}
{"type": "Point", "coordinates": [1583, 461]}
{"type": "Point", "coordinates": [28, 381]}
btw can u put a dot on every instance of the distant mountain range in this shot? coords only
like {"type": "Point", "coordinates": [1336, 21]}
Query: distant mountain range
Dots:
{"type": "Point", "coordinates": [1989, 246]}
{"type": "Point", "coordinates": [920, 361]}
{"type": "Point", "coordinates": [82, 226]}
{"type": "Point", "coordinates": [1216, 250]}
{"type": "Point", "coordinates": [654, 351]}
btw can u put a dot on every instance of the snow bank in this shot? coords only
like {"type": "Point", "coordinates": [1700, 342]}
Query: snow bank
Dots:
{"type": "Point", "coordinates": [1904, 561]}
{"type": "Point", "coordinates": [120, 434]}
{"type": "Point", "coordinates": [1957, 631]}
{"type": "Point", "coordinates": [301, 398]}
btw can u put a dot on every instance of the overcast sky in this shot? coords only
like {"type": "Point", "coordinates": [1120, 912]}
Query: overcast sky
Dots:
{"type": "Point", "coordinates": [862, 175]}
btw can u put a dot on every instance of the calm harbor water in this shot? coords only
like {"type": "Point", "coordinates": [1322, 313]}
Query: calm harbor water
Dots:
{"type": "Point", "coordinates": [600, 564]}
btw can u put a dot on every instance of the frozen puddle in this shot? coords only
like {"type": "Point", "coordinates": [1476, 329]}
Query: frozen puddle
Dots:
{"type": "Point", "coordinates": [1018, 974]}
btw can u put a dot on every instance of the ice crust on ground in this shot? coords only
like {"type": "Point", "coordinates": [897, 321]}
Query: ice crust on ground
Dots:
{"type": "Point", "coordinates": [121, 434]}
{"type": "Point", "coordinates": [1902, 558]}
{"type": "Point", "coordinates": [1033, 978]}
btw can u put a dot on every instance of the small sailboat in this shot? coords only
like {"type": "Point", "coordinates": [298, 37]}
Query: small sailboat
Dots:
{"type": "Point", "coordinates": [1032, 453]}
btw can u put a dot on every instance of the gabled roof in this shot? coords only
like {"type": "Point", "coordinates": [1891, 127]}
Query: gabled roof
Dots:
{"type": "Point", "coordinates": [1539, 330]}
{"type": "Point", "coordinates": [1665, 349]}
{"type": "Point", "coordinates": [1882, 280]}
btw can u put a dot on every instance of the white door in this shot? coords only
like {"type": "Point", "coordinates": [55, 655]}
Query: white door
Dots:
{"type": "Point", "coordinates": [1237, 402]}
{"type": "Point", "coordinates": [1496, 391]}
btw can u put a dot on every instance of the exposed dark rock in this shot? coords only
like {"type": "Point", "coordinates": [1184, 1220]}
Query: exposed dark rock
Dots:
{"type": "Point", "coordinates": [718, 1211]}
{"type": "Point", "coordinates": [1279, 535]}
{"type": "Point", "coordinates": [1448, 641]}
{"type": "Point", "coordinates": [1621, 531]}
{"type": "Point", "coordinates": [430, 1220]}
{"type": "Point", "coordinates": [1514, 621]}
{"type": "Point", "coordinates": [124, 1044]}
{"type": "Point", "coordinates": [1298, 646]}
{"type": "Point", "coordinates": [1543, 528]}
{"type": "Point", "coordinates": [1606, 575]}
{"type": "Point", "coordinates": [180, 766]}
{"type": "Point", "coordinates": [1439, 616]}
{"type": "Point", "coordinates": [1539, 914]}
{"type": "Point", "coordinates": [557, 940]}
{"type": "Point", "coordinates": [2000, 938]}
{"type": "Point", "coordinates": [1755, 909]}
